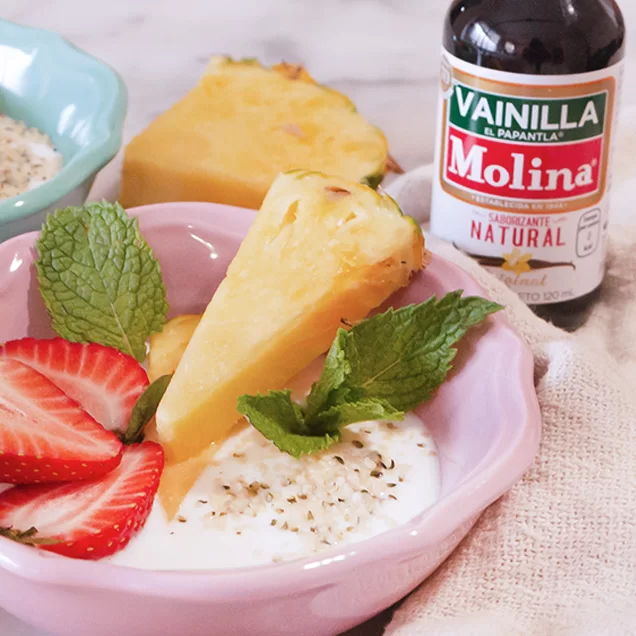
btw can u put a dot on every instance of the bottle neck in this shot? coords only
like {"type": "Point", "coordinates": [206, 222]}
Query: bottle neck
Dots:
{"type": "Point", "coordinates": [539, 37]}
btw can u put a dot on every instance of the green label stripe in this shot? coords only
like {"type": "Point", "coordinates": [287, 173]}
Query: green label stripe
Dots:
{"type": "Point", "coordinates": [528, 120]}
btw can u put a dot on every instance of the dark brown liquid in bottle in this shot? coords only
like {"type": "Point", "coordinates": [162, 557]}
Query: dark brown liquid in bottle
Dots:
{"type": "Point", "coordinates": [539, 37]}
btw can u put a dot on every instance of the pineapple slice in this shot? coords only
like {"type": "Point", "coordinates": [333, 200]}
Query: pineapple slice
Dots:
{"type": "Point", "coordinates": [167, 346]}
{"type": "Point", "coordinates": [229, 137]}
{"type": "Point", "coordinates": [321, 254]}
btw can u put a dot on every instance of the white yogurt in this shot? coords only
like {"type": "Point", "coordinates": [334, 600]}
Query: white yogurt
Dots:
{"type": "Point", "coordinates": [255, 505]}
{"type": "Point", "coordinates": [28, 158]}
{"type": "Point", "coordinates": [51, 157]}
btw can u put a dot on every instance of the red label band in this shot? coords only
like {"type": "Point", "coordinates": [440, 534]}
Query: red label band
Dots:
{"type": "Point", "coordinates": [522, 171]}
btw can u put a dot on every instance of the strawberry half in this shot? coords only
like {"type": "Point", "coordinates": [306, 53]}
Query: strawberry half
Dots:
{"type": "Point", "coordinates": [44, 435]}
{"type": "Point", "coordinates": [105, 381]}
{"type": "Point", "coordinates": [89, 520]}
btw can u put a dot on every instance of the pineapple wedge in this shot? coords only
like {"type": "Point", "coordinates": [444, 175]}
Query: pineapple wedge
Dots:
{"type": "Point", "coordinates": [321, 254]}
{"type": "Point", "coordinates": [167, 346]}
{"type": "Point", "coordinates": [229, 137]}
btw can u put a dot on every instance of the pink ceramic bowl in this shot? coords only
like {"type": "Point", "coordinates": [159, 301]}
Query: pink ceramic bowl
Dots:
{"type": "Point", "coordinates": [485, 421]}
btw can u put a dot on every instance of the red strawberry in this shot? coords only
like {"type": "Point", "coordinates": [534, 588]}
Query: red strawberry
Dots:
{"type": "Point", "coordinates": [44, 435]}
{"type": "Point", "coordinates": [105, 381]}
{"type": "Point", "coordinates": [89, 520]}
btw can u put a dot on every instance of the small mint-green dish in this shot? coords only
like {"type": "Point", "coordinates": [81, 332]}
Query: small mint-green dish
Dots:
{"type": "Point", "coordinates": [77, 100]}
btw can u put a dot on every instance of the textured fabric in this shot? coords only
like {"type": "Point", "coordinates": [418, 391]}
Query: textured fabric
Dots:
{"type": "Point", "coordinates": [556, 554]}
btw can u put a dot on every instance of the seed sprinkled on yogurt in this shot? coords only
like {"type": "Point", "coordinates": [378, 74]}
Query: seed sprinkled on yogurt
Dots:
{"type": "Point", "coordinates": [317, 478]}
{"type": "Point", "coordinates": [272, 507]}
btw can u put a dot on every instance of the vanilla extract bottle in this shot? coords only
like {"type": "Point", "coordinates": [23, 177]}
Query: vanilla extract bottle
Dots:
{"type": "Point", "coordinates": [527, 122]}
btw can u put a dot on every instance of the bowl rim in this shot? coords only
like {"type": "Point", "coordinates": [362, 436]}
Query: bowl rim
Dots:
{"type": "Point", "coordinates": [481, 488]}
{"type": "Point", "coordinates": [90, 158]}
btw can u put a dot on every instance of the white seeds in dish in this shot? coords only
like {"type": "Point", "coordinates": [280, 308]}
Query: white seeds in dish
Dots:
{"type": "Point", "coordinates": [255, 505]}
{"type": "Point", "coordinates": [27, 157]}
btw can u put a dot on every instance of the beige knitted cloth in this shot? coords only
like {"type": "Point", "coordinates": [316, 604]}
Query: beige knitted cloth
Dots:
{"type": "Point", "coordinates": [557, 554]}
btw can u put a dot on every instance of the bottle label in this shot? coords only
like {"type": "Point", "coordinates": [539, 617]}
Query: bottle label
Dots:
{"type": "Point", "coordinates": [523, 174]}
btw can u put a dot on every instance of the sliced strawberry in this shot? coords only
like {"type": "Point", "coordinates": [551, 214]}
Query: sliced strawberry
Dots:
{"type": "Point", "coordinates": [105, 381]}
{"type": "Point", "coordinates": [44, 435]}
{"type": "Point", "coordinates": [89, 520]}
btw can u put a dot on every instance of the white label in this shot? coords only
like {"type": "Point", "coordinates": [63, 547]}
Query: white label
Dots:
{"type": "Point", "coordinates": [522, 175]}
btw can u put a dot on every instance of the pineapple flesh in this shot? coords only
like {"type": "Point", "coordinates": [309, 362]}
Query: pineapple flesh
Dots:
{"type": "Point", "coordinates": [167, 346]}
{"type": "Point", "coordinates": [321, 254]}
{"type": "Point", "coordinates": [229, 137]}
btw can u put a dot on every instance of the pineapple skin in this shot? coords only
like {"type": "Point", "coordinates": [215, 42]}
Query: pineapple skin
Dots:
{"type": "Point", "coordinates": [277, 310]}
{"type": "Point", "coordinates": [374, 180]}
{"type": "Point", "coordinates": [171, 161]}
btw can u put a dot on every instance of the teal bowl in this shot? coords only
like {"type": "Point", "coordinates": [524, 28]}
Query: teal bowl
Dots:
{"type": "Point", "coordinates": [77, 100]}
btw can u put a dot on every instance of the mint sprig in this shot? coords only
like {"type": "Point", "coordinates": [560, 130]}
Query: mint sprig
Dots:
{"type": "Point", "coordinates": [99, 279]}
{"type": "Point", "coordinates": [380, 368]}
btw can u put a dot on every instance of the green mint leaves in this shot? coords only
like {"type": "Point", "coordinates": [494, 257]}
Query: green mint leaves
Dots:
{"type": "Point", "coordinates": [381, 368]}
{"type": "Point", "coordinates": [403, 355]}
{"type": "Point", "coordinates": [282, 421]}
{"type": "Point", "coordinates": [99, 279]}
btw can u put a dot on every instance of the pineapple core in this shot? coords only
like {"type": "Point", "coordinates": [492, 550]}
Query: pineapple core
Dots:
{"type": "Point", "coordinates": [321, 254]}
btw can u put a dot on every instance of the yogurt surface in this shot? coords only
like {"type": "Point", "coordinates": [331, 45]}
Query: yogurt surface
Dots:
{"type": "Point", "coordinates": [27, 157]}
{"type": "Point", "coordinates": [254, 505]}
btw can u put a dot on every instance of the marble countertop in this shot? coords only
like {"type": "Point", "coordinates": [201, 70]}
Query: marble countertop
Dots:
{"type": "Point", "coordinates": [382, 53]}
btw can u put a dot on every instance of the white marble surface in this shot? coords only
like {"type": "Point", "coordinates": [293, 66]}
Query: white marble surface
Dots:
{"type": "Point", "coordinates": [382, 53]}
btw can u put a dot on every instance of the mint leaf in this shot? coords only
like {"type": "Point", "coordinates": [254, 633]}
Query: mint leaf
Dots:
{"type": "Point", "coordinates": [345, 413]}
{"type": "Point", "coordinates": [403, 355]}
{"type": "Point", "coordinates": [145, 409]}
{"type": "Point", "coordinates": [99, 279]}
{"type": "Point", "coordinates": [333, 375]}
{"type": "Point", "coordinates": [282, 422]}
